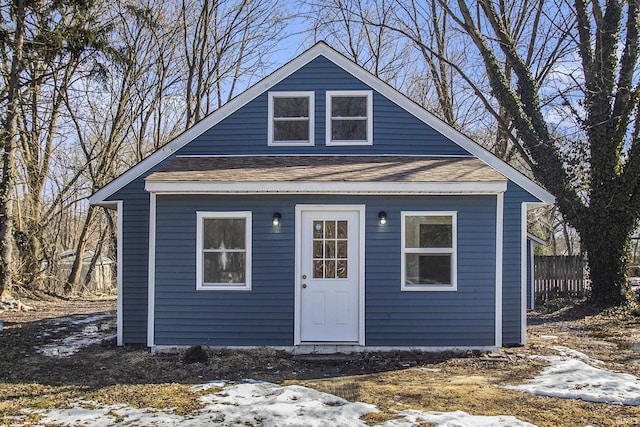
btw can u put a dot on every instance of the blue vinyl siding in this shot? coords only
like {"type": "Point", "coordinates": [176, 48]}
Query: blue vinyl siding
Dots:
{"type": "Point", "coordinates": [511, 277]}
{"type": "Point", "coordinates": [264, 316]}
{"type": "Point", "coordinates": [530, 301]}
{"type": "Point", "coordinates": [245, 131]}
{"type": "Point", "coordinates": [135, 256]}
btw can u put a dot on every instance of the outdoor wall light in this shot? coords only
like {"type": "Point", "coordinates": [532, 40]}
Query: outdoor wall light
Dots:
{"type": "Point", "coordinates": [382, 218]}
{"type": "Point", "coordinates": [276, 219]}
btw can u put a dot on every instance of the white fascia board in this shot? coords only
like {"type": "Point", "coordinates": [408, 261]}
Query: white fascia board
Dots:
{"type": "Point", "coordinates": [322, 49]}
{"type": "Point", "coordinates": [411, 188]}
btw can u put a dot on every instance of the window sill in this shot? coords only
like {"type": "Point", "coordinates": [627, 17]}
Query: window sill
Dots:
{"type": "Point", "coordinates": [222, 287]}
{"type": "Point", "coordinates": [346, 143]}
{"type": "Point", "coordinates": [428, 288]}
{"type": "Point", "coordinates": [290, 144]}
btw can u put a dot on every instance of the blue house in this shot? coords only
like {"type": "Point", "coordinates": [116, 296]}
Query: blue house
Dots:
{"type": "Point", "coordinates": [322, 210]}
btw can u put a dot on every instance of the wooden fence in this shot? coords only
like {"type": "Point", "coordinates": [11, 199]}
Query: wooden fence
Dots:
{"type": "Point", "coordinates": [559, 277]}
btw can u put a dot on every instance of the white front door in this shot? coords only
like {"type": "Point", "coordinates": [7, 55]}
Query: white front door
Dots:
{"type": "Point", "coordinates": [329, 268]}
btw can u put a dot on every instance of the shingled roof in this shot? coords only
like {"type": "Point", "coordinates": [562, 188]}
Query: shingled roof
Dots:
{"type": "Point", "coordinates": [394, 169]}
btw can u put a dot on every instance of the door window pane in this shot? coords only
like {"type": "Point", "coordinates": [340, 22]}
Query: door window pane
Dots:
{"type": "Point", "coordinates": [342, 229]}
{"type": "Point", "coordinates": [330, 252]}
{"type": "Point", "coordinates": [329, 269]}
{"type": "Point", "coordinates": [330, 249]}
{"type": "Point", "coordinates": [342, 249]}
{"type": "Point", "coordinates": [342, 268]}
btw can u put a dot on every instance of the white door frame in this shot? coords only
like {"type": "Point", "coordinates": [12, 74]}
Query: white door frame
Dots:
{"type": "Point", "coordinates": [298, 265]}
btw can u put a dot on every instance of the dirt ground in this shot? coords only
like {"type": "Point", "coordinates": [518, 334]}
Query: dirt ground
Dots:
{"type": "Point", "coordinates": [393, 382]}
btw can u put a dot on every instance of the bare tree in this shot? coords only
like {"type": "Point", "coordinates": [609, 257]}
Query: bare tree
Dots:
{"type": "Point", "coordinates": [13, 66]}
{"type": "Point", "coordinates": [606, 42]}
{"type": "Point", "coordinates": [344, 25]}
{"type": "Point", "coordinates": [223, 42]}
{"type": "Point", "coordinates": [114, 125]}
{"type": "Point", "coordinates": [85, 95]}
{"type": "Point", "coordinates": [43, 46]}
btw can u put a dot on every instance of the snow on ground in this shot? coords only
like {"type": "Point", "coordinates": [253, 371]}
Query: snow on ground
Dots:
{"type": "Point", "coordinates": [572, 375]}
{"type": "Point", "coordinates": [455, 419]}
{"type": "Point", "coordinates": [256, 403]}
{"type": "Point", "coordinates": [97, 328]}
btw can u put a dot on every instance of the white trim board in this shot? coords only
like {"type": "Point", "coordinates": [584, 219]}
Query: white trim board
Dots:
{"type": "Point", "coordinates": [119, 261]}
{"type": "Point", "coordinates": [151, 295]}
{"type": "Point", "coordinates": [524, 237]}
{"type": "Point", "coordinates": [499, 265]}
{"type": "Point", "coordinates": [315, 187]}
{"type": "Point", "coordinates": [321, 49]}
{"type": "Point", "coordinates": [328, 349]}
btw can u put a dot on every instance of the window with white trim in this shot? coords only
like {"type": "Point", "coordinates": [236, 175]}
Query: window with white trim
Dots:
{"type": "Point", "coordinates": [291, 118]}
{"type": "Point", "coordinates": [429, 251]}
{"type": "Point", "coordinates": [223, 251]}
{"type": "Point", "coordinates": [349, 117]}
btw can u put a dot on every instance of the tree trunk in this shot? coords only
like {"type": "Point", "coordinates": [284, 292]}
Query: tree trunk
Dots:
{"type": "Point", "coordinates": [9, 141]}
{"type": "Point", "coordinates": [74, 276]}
{"type": "Point", "coordinates": [606, 243]}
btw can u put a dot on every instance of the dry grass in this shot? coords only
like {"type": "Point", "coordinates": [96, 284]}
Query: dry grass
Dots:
{"type": "Point", "coordinates": [474, 390]}
{"type": "Point", "coordinates": [106, 374]}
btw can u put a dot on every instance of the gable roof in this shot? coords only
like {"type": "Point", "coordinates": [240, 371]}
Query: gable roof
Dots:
{"type": "Point", "coordinates": [321, 49]}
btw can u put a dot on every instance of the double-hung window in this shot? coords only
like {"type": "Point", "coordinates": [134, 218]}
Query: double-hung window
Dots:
{"type": "Point", "coordinates": [429, 251]}
{"type": "Point", "coordinates": [291, 118]}
{"type": "Point", "coordinates": [349, 117]}
{"type": "Point", "coordinates": [223, 251]}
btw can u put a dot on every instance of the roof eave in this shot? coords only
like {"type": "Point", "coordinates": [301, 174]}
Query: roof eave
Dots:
{"type": "Point", "coordinates": [316, 187]}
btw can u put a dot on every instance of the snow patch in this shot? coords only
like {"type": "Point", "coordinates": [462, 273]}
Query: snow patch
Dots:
{"type": "Point", "coordinates": [97, 328]}
{"type": "Point", "coordinates": [455, 419]}
{"type": "Point", "coordinates": [273, 405]}
{"type": "Point", "coordinates": [572, 375]}
{"type": "Point", "coordinates": [548, 337]}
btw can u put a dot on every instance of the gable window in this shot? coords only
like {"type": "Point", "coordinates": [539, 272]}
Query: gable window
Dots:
{"type": "Point", "coordinates": [291, 118]}
{"type": "Point", "coordinates": [349, 117]}
{"type": "Point", "coordinates": [223, 251]}
{"type": "Point", "coordinates": [429, 251]}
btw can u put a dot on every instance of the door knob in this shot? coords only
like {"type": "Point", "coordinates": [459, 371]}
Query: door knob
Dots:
{"type": "Point", "coordinates": [304, 286]}
{"type": "Point", "coordinates": [304, 276]}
